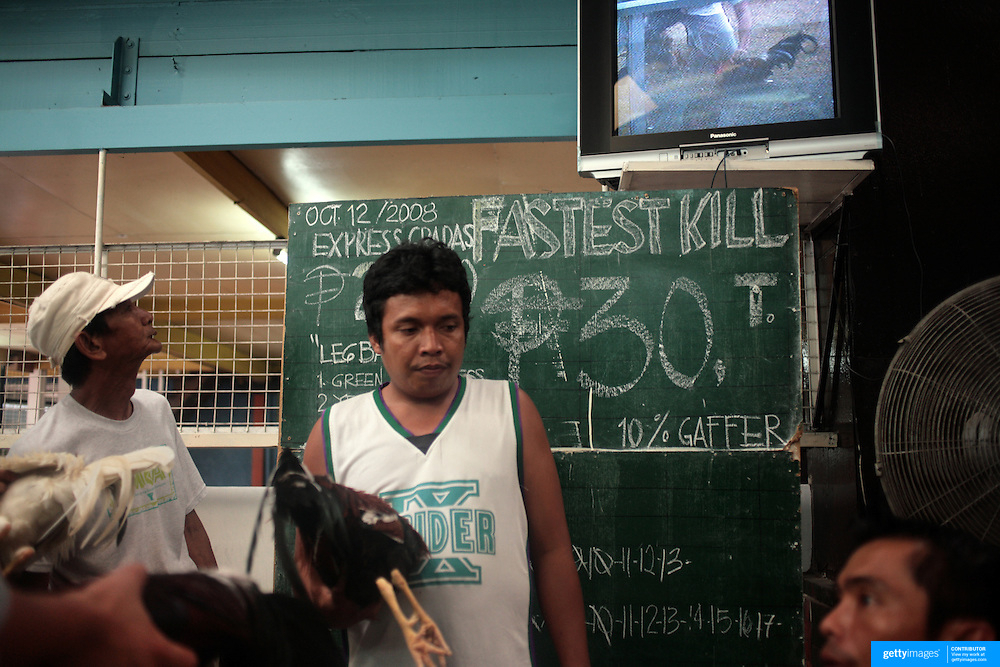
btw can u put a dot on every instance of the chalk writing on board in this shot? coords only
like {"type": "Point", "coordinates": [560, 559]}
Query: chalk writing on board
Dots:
{"type": "Point", "coordinates": [703, 431]}
{"type": "Point", "coordinates": [329, 284]}
{"type": "Point", "coordinates": [755, 281]}
{"type": "Point", "coordinates": [360, 352]}
{"type": "Point", "coordinates": [532, 309]}
{"type": "Point", "coordinates": [651, 560]}
{"type": "Point", "coordinates": [541, 228]}
{"type": "Point", "coordinates": [633, 436]}
{"type": "Point", "coordinates": [708, 431]}
{"type": "Point", "coordinates": [692, 288]}
{"type": "Point", "coordinates": [641, 621]}
{"type": "Point", "coordinates": [602, 322]}
{"type": "Point", "coordinates": [535, 304]}
{"type": "Point", "coordinates": [726, 431]}
{"type": "Point", "coordinates": [691, 237]}
{"type": "Point", "coordinates": [534, 319]}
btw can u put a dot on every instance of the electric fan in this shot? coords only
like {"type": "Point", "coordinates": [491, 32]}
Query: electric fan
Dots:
{"type": "Point", "coordinates": [937, 423]}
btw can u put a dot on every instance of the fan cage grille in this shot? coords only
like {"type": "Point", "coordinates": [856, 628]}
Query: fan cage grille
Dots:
{"type": "Point", "coordinates": [938, 417]}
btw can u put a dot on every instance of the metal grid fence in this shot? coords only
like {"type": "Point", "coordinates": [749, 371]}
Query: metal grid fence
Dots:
{"type": "Point", "coordinates": [218, 308]}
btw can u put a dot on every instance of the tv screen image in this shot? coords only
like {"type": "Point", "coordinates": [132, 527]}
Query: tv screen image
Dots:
{"type": "Point", "coordinates": [692, 65]}
{"type": "Point", "coordinates": [671, 80]}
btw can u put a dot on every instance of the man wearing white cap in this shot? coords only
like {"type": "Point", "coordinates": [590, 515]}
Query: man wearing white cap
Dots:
{"type": "Point", "coordinates": [93, 329]}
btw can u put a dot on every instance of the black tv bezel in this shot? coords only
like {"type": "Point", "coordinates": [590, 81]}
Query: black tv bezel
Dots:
{"type": "Point", "coordinates": [855, 88]}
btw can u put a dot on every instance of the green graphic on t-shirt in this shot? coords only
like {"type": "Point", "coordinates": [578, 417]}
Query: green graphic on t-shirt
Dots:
{"type": "Point", "coordinates": [152, 488]}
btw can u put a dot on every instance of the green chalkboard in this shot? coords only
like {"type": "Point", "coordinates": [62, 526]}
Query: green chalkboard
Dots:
{"type": "Point", "coordinates": [686, 558]}
{"type": "Point", "coordinates": [659, 335]}
{"type": "Point", "coordinates": [635, 320]}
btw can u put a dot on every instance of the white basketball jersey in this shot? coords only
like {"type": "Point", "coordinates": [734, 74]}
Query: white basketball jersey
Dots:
{"type": "Point", "coordinates": [464, 497]}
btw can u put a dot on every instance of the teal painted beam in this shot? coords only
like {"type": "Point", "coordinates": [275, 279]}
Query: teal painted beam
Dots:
{"type": "Point", "coordinates": [45, 29]}
{"type": "Point", "coordinates": [437, 73]}
{"type": "Point", "coordinates": [307, 123]}
{"type": "Point", "coordinates": [312, 74]}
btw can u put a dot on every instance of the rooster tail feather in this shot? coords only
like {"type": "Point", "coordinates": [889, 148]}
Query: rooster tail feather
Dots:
{"type": "Point", "coordinates": [44, 463]}
{"type": "Point", "coordinates": [301, 502]}
{"type": "Point", "coordinates": [284, 550]}
{"type": "Point", "coordinates": [115, 473]}
{"type": "Point", "coordinates": [87, 494]}
{"type": "Point", "coordinates": [121, 495]}
{"type": "Point", "coordinates": [284, 525]}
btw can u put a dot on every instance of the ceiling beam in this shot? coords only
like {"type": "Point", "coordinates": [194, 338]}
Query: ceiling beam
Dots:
{"type": "Point", "coordinates": [242, 186]}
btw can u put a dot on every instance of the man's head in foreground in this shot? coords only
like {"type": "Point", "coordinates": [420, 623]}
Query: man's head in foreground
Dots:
{"type": "Point", "coordinates": [912, 582]}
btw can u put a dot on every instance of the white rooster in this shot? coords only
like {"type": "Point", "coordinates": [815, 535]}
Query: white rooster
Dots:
{"type": "Point", "coordinates": [56, 494]}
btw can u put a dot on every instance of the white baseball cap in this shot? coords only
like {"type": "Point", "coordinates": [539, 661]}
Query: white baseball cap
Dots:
{"type": "Point", "coordinates": [61, 312]}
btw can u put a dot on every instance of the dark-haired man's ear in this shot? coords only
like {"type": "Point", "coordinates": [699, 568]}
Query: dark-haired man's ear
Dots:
{"type": "Point", "coordinates": [967, 629]}
{"type": "Point", "coordinates": [89, 346]}
{"type": "Point", "coordinates": [375, 344]}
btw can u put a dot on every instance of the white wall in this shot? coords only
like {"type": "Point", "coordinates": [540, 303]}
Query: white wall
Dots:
{"type": "Point", "coordinates": [229, 514]}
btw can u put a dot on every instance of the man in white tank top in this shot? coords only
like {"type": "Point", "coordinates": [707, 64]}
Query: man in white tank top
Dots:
{"type": "Point", "coordinates": [466, 461]}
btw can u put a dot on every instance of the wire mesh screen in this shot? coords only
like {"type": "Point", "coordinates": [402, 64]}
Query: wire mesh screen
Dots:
{"type": "Point", "coordinates": [218, 309]}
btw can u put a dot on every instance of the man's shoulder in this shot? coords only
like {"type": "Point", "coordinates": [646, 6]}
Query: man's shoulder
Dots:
{"type": "Point", "coordinates": [148, 395]}
{"type": "Point", "coordinates": [487, 382]}
{"type": "Point", "coordinates": [153, 411]}
{"type": "Point", "coordinates": [49, 433]}
{"type": "Point", "coordinates": [150, 399]}
{"type": "Point", "coordinates": [351, 402]}
{"type": "Point", "coordinates": [483, 385]}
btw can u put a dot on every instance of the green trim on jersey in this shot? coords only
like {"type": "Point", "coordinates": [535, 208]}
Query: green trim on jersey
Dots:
{"type": "Point", "coordinates": [400, 429]}
{"type": "Point", "coordinates": [327, 452]}
{"type": "Point", "coordinates": [453, 408]}
{"type": "Point", "coordinates": [515, 408]}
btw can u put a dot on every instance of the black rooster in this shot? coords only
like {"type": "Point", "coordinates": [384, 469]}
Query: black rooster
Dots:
{"type": "Point", "coordinates": [356, 541]}
{"type": "Point", "coordinates": [229, 622]}
{"type": "Point", "coordinates": [756, 70]}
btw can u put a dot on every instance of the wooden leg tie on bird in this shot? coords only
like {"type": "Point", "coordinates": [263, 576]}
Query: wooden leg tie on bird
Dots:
{"type": "Point", "coordinates": [423, 637]}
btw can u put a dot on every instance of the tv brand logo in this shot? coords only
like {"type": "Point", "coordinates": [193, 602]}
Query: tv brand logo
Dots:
{"type": "Point", "coordinates": [721, 135]}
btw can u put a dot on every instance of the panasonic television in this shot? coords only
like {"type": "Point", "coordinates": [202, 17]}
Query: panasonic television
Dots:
{"type": "Point", "coordinates": [676, 80]}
